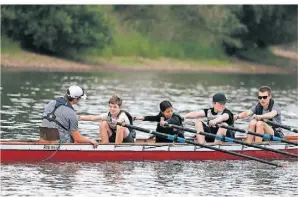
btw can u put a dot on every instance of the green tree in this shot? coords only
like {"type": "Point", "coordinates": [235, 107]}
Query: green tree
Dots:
{"type": "Point", "coordinates": [216, 22]}
{"type": "Point", "coordinates": [266, 25]}
{"type": "Point", "coordinates": [63, 30]}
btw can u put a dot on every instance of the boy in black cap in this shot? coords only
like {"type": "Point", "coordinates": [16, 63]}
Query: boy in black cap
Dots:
{"type": "Point", "coordinates": [215, 115]}
{"type": "Point", "coordinates": [166, 115]}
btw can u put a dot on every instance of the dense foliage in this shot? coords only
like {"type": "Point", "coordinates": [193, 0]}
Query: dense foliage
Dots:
{"type": "Point", "coordinates": [181, 31]}
{"type": "Point", "coordinates": [61, 30]}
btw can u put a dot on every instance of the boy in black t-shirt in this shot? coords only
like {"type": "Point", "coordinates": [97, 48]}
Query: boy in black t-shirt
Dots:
{"type": "Point", "coordinates": [165, 116]}
{"type": "Point", "coordinates": [215, 115]}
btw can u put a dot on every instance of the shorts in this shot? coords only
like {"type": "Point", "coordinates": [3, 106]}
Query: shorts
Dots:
{"type": "Point", "coordinates": [214, 130]}
{"type": "Point", "coordinates": [128, 139]}
{"type": "Point", "coordinates": [278, 132]}
{"type": "Point", "coordinates": [49, 134]}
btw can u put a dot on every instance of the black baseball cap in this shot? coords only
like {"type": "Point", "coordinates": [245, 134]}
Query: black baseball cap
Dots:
{"type": "Point", "coordinates": [220, 98]}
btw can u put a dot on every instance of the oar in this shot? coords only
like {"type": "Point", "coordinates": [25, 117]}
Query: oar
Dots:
{"type": "Point", "coordinates": [280, 125]}
{"type": "Point", "coordinates": [228, 139]}
{"type": "Point", "coordinates": [264, 136]}
{"type": "Point", "coordinates": [179, 139]}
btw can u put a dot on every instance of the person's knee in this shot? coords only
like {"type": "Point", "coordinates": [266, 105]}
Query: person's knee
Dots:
{"type": "Point", "coordinates": [199, 124]}
{"type": "Point", "coordinates": [224, 124]}
{"type": "Point", "coordinates": [252, 123]}
{"type": "Point", "coordinates": [123, 130]}
{"type": "Point", "coordinates": [120, 129]}
{"type": "Point", "coordinates": [221, 131]}
{"type": "Point", "coordinates": [126, 132]}
{"type": "Point", "coordinates": [103, 124]}
{"type": "Point", "coordinates": [104, 127]}
{"type": "Point", "coordinates": [260, 124]}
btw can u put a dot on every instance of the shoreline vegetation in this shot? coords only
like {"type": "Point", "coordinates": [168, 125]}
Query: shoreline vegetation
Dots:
{"type": "Point", "coordinates": [24, 60]}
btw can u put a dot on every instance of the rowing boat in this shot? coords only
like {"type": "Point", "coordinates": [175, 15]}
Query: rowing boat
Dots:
{"type": "Point", "coordinates": [144, 149]}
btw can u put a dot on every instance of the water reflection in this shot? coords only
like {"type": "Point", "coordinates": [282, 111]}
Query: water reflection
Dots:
{"type": "Point", "coordinates": [60, 176]}
{"type": "Point", "coordinates": [166, 172]}
{"type": "Point", "coordinates": [114, 172]}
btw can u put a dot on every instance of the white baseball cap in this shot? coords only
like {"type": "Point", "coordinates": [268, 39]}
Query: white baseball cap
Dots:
{"type": "Point", "coordinates": [76, 92]}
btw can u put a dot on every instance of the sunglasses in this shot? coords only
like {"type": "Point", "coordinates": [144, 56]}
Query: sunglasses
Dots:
{"type": "Point", "coordinates": [262, 97]}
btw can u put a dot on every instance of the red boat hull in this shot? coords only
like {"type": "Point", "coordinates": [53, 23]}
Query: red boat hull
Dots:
{"type": "Point", "coordinates": [8, 156]}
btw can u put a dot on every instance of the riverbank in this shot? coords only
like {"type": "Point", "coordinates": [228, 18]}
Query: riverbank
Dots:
{"type": "Point", "coordinates": [25, 60]}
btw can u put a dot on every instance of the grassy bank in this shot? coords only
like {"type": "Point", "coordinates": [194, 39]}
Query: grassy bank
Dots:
{"type": "Point", "coordinates": [12, 55]}
{"type": "Point", "coordinates": [133, 44]}
{"type": "Point", "coordinates": [10, 46]}
{"type": "Point", "coordinates": [135, 50]}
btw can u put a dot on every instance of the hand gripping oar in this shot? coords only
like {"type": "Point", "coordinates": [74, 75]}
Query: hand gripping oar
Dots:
{"type": "Point", "coordinates": [280, 125]}
{"type": "Point", "coordinates": [179, 139]}
{"type": "Point", "coordinates": [228, 139]}
{"type": "Point", "coordinates": [264, 136]}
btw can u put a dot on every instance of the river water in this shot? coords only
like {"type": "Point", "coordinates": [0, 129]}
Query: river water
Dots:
{"type": "Point", "coordinates": [24, 95]}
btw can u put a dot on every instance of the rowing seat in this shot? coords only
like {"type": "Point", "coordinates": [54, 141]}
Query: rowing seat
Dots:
{"type": "Point", "coordinates": [48, 135]}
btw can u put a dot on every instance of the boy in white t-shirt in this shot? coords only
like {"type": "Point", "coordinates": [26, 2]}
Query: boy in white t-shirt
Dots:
{"type": "Point", "coordinates": [109, 131]}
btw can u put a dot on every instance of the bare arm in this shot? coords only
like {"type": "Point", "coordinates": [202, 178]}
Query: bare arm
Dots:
{"type": "Point", "coordinates": [244, 114]}
{"type": "Point", "coordinates": [191, 115]}
{"type": "Point", "coordinates": [139, 118]}
{"type": "Point", "coordinates": [269, 115]}
{"type": "Point", "coordinates": [90, 117]}
{"type": "Point", "coordinates": [81, 139]}
{"type": "Point", "coordinates": [221, 118]}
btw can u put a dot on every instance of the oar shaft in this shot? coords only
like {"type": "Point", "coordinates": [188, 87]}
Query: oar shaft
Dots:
{"type": "Point", "coordinates": [179, 139]}
{"type": "Point", "coordinates": [280, 125]}
{"type": "Point", "coordinates": [228, 139]}
{"type": "Point", "coordinates": [264, 136]}
{"type": "Point", "coordinates": [229, 152]}
{"type": "Point", "coordinates": [260, 147]}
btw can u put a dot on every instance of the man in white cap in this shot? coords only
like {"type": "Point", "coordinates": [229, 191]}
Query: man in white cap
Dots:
{"type": "Point", "coordinates": [60, 115]}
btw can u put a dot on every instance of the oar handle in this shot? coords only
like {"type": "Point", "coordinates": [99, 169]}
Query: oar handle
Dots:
{"type": "Point", "coordinates": [281, 125]}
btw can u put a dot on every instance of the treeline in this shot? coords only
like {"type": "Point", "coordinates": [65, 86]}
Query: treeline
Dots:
{"type": "Point", "coordinates": [179, 31]}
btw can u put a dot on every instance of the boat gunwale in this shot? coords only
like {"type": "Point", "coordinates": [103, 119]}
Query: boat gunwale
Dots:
{"type": "Point", "coordinates": [21, 142]}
